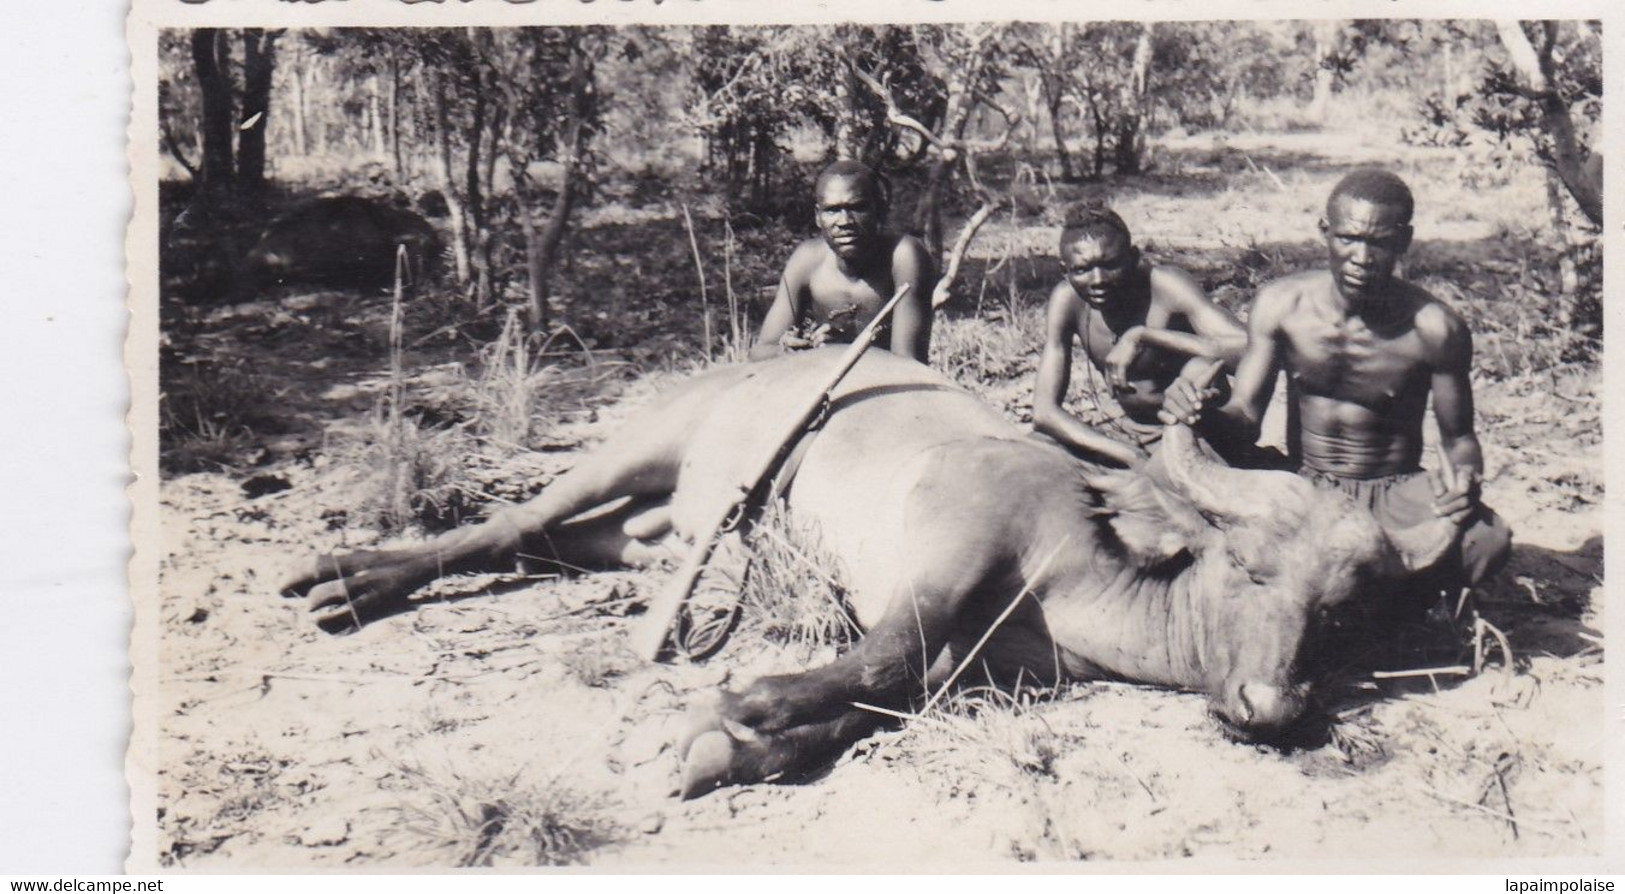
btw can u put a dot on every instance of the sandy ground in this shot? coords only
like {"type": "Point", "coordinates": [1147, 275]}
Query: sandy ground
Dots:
{"type": "Point", "coordinates": [517, 729]}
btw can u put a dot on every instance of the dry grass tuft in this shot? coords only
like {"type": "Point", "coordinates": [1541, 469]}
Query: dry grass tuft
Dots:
{"type": "Point", "coordinates": [471, 821]}
{"type": "Point", "coordinates": [518, 395]}
{"type": "Point", "coordinates": [998, 736]}
{"type": "Point", "coordinates": [794, 593]}
{"type": "Point", "coordinates": [993, 357]}
{"type": "Point", "coordinates": [411, 474]}
{"type": "Point", "coordinates": [210, 414]}
{"type": "Point", "coordinates": [505, 393]}
{"type": "Point", "coordinates": [600, 662]}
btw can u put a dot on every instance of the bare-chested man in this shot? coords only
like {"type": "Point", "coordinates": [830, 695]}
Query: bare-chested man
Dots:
{"type": "Point", "coordinates": [1362, 350]}
{"type": "Point", "coordinates": [835, 283]}
{"type": "Point", "coordinates": [1140, 326]}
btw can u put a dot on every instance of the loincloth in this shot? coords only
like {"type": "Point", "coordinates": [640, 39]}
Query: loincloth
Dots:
{"type": "Point", "coordinates": [1399, 497]}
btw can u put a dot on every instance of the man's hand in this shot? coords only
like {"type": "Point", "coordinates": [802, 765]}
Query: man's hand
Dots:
{"type": "Point", "coordinates": [1186, 398]}
{"type": "Point", "coordinates": [1455, 492]}
{"type": "Point", "coordinates": [1121, 357]}
{"type": "Point", "coordinates": [795, 341]}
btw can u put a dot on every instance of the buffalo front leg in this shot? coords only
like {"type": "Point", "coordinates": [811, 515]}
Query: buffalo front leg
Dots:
{"type": "Point", "coordinates": [783, 726]}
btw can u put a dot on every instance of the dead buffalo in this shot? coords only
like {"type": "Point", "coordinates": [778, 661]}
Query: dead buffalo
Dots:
{"type": "Point", "coordinates": [341, 241]}
{"type": "Point", "coordinates": [1187, 574]}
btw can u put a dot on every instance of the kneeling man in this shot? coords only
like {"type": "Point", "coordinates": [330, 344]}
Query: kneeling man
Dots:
{"type": "Point", "coordinates": [1363, 349]}
{"type": "Point", "coordinates": [835, 283]}
{"type": "Point", "coordinates": [1141, 326]}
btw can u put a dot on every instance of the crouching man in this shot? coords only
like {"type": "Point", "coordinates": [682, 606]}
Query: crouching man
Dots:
{"type": "Point", "coordinates": [1363, 349]}
{"type": "Point", "coordinates": [1141, 326]}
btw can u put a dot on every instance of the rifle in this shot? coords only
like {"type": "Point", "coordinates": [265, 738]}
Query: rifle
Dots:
{"type": "Point", "coordinates": [650, 637]}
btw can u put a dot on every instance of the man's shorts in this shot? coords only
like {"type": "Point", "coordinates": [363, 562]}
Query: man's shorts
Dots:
{"type": "Point", "coordinates": [1403, 500]}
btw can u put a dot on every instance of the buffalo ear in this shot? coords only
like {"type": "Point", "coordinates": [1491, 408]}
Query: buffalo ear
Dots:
{"type": "Point", "coordinates": [1153, 525]}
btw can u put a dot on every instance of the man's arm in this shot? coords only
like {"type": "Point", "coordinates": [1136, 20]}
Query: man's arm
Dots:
{"type": "Point", "coordinates": [782, 315]}
{"type": "Point", "coordinates": [1215, 333]}
{"type": "Point", "coordinates": [1054, 375]}
{"type": "Point", "coordinates": [1451, 348]}
{"type": "Point", "coordinates": [1255, 373]}
{"type": "Point", "coordinates": [911, 320]}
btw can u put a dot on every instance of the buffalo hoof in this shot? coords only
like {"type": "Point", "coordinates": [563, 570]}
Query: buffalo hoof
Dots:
{"type": "Point", "coordinates": [708, 765]}
{"type": "Point", "coordinates": [345, 593]}
{"type": "Point", "coordinates": [716, 751]}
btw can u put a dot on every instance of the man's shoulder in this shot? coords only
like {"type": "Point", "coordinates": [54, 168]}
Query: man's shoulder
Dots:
{"type": "Point", "coordinates": [1300, 282]}
{"type": "Point", "coordinates": [808, 254]}
{"type": "Point", "coordinates": [1167, 276]}
{"type": "Point", "coordinates": [1435, 321]}
{"type": "Point", "coordinates": [1280, 297]}
{"type": "Point", "coordinates": [908, 249]}
{"type": "Point", "coordinates": [1063, 296]}
{"type": "Point", "coordinates": [1174, 286]}
{"type": "Point", "coordinates": [813, 247]}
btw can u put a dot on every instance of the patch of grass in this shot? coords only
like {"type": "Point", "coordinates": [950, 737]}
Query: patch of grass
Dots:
{"type": "Point", "coordinates": [598, 662]}
{"type": "Point", "coordinates": [996, 735]}
{"type": "Point", "coordinates": [1519, 326]}
{"type": "Point", "coordinates": [412, 474]}
{"type": "Point", "coordinates": [994, 357]}
{"type": "Point", "coordinates": [477, 821]}
{"type": "Point", "coordinates": [210, 414]}
{"type": "Point", "coordinates": [795, 592]}
{"type": "Point", "coordinates": [510, 383]}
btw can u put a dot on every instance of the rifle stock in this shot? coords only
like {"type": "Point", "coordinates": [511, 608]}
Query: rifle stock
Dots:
{"type": "Point", "coordinates": [650, 637]}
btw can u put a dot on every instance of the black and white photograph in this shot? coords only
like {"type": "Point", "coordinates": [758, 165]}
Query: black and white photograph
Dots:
{"type": "Point", "coordinates": [1039, 434]}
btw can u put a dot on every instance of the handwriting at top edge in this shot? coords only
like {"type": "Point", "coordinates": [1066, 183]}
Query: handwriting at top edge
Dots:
{"type": "Point", "coordinates": [416, 2]}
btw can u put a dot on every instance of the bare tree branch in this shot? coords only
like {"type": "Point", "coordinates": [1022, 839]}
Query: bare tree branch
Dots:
{"type": "Point", "coordinates": [1523, 55]}
{"type": "Point", "coordinates": [894, 114]}
{"type": "Point", "coordinates": [956, 257]}
{"type": "Point", "coordinates": [1570, 160]}
{"type": "Point", "coordinates": [1012, 120]}
{"type": "Point", "coordinates": [175, 151]}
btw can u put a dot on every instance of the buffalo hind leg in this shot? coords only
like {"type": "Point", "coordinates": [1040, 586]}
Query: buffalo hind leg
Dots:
{"type": "Point", "coordinates": [641, 462]}
{"type": "Point", "coordinates": [629, 533]}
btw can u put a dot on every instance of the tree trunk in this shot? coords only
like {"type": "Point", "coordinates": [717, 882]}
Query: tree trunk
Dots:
{"type": "Point", "coordinates": [1032, 97]}
{"type": "Point", "coordinates": [1100, 133]}
{"type": "Point", "coordinates": [1568, 276]}
{"type": "Point", "coordinates": [542, 252]}
{"type": "Point", "coordinates": [259, 58]}
{"type": "Point", "coordinates": [442, 170]}
{"type": "Point", "coordinates": [1055, 104]}
{"type": "Point", "coordinates": [375, 117]}
{"type": "Point", "coordinates": [1328, 37]}
{"type": "Point", "coordinates": [846, 118]}
{"type": "Point", "coordinates": [928, 216]}
{"type": "Point", "coordinates": [316, 117]}
{"type": "Point", "coordinates": [1131, 144]}
{"type": "Point", "coordinates": [393, 99]}
{"type": "Point", "coordinates": [1580, 311]}
{"type": "Point", "coordinates": [210, 58]}
{"type": "Point", "coordinates": [1580, 175]}
{"type": "Point", "coordinates": [301, 126]}
{"type": "Point", "coordinates": [479, 237]}
{"type": "Point", "coordinates": [536, 309]}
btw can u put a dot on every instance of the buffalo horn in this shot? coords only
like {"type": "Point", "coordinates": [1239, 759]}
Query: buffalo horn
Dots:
{"type": "Point", "coordinates": [1213, 487]}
